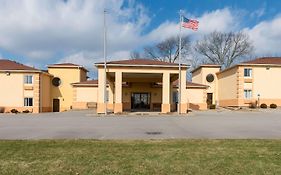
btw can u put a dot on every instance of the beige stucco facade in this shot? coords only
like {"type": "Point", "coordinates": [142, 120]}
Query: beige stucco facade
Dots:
{"type": "Point", "coordinates": [64, 92]}
{"type": "Point", "coordinates": [85, 95]}
{"type": "Point", "coordinates": [199, 76]}
{"type": "Point", "coordinates": [197, 98]}
{"type": "Point", "coordinates": [13, 91]}
{"type": "Point", "coordinates": [140, 78]}
{"type": "Point", "coordinates": [236, 88]}
{"type": "Point", "coordinates": [153, 85]}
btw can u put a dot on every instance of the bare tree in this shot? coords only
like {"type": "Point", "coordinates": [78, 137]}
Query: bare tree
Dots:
{"type": "Point", "coordinates": [224, 48]}
{"type": "Point", "coordinates": [135, 55]}
{"type": "Point", "coordinates": [168, 50]}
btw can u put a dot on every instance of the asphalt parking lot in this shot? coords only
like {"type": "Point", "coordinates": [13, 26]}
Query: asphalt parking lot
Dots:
{"type": "Point", "coordinates": [87, 125]}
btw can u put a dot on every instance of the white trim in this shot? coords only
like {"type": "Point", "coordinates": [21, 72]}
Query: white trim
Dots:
{"type": "Point", "coordinates": [143, 65]}
{"type": "Point", "coordinates": [250, 91]}
{"type": "Point", "coordinates": [28, 98]}
{"type": "Point", "coordinates": [250, 72]}
{"type": "Point", "coordinates": [58, 66]}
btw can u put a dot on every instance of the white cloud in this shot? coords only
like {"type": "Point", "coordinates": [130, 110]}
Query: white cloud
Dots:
{"type": "Point", "coordinates": [266, 37]}
{"type": "Point", "coordinates": [41, 29]}
{"type": "Point", "coordinates": [219, 20]}
{"type": "Point", "coordinates": [258, 13]}
{"type": "Point", "coordinates": [88, 59]}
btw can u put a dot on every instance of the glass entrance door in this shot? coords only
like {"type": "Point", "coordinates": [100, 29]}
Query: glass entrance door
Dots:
{"type": "Point", "coordinates": [140, 101]}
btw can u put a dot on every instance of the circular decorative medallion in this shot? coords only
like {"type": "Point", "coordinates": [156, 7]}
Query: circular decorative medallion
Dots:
{"type": "Point", "coordinates": [56, 81]}
{"type": "Point", "coordinates": [210, 78]}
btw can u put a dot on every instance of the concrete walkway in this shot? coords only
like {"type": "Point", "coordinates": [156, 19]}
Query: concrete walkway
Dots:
{"type": "Point", "coordinates": [85, 125]}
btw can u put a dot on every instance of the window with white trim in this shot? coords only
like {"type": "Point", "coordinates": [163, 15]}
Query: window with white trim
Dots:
{"type": "Point", "coordinates": [28, 79]}
{"type": "Point", "coordinates": [28, 101]}
{"type": "Point", "coordinates": [248, 72]}
{"type": "Point", "coordinates": [247, 94]}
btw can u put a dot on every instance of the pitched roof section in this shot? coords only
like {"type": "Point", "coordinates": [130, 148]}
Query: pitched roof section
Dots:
{"type": "Point", "coordinates": [60, 65]}
{"type": "Point", "coordinates": [264, 60]}
{"type": "Point", "coordinates": [141, 62]}
{"type": "Point", "coordinates": [206, 65]}
{"type": "Point", "coordinates": [94, 83]}
{"type": "Point", "coordinates": [65, 64]}
{"type": "Point", "coordinates": [191, 84]}
{"type": "Point", "coordinates": [13, 65]}
{"type": "Point", "coordinates": [86, 83]}
{"type": "Point", "coordinates": [257, 62]}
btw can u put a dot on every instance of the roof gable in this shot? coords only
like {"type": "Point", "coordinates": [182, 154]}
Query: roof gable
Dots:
{"type": "Point", "coordinates": [13, 65]}
{"type": "Point", "coordinates": [264, 60]}
{"type": "Point", "coordinates": [175, 84]}
{"type": "Point", "coordinates": [148, 62]}
{"type": "Point", "coordinates": [67, 65]}
{"type": "Point", "coordinates": [206, 66]}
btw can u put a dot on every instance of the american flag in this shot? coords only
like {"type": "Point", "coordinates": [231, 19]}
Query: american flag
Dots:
{"type": "Point", "coordinates": [190, 23]}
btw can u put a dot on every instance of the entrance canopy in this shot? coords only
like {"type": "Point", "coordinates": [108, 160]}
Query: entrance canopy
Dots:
{"type": "Point", "coordinates": [138, 71]}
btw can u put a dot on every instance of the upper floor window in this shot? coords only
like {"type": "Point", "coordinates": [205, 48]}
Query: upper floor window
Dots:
{"type": "Point", "coordinates": [28, 79]}
{"type": "Point", "coordinates": [247, 72]}
{"type": "Point", "coordinates": [28, 101]}
{"type": "Point", "coordinates": [247, 94]}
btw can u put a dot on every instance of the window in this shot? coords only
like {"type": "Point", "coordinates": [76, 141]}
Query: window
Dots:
{"type": "Point", "coordinates": [28, 79]}
{"type": "Point", "coordinates": [28, 101]}
{"type": "Point", "coordinates": [210, 78]}
{"type": "Point", "coordinates": [247, 94]}
{"type": "Point", "coordinates": [175, 97]}
{"type": "Point", "coordinates": [56, 81]}
{"type": "Point", "coordinates": [247, 72]}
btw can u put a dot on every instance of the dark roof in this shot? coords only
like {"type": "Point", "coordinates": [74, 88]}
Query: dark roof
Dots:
{"type": "Point", "coordinates": [206, 65]}
{"type": "Point", "coordinates": [175, 83]}
{"type": "Point", "coordinates": [258, 61]}
{"type": "Point", "coordinates": [264, 60]}
{"type": "Point", "coordinates": [92, 83]}
{"type": "Point", "coordinates": [13, 65]}
{"type": "Point", "coordinates": [141, 62]}
{"type": "Point", "coordinates": [191, 84]}
{"type": "Point", "coordinates": [65, 64]}
{"type": "Point", "coordinates": [88, 82]}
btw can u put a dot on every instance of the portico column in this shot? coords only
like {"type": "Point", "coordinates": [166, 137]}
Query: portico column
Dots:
{"type": "Point", "coordinates": [110, 95]}
{"type": "Point", "coordinates": [118, 106]}
{"type": "Point", "coordinates": [183, 94]}
{"type": "Point", "coordinates": [166, 106]}
{"type": "Point", "coordinates": [101, 89]}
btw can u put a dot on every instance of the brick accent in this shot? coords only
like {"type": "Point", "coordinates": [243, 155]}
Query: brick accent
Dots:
{"type": "Point", "coordinates": [240, 85]}
{"type": "Point", "coordinates": [36, 93]}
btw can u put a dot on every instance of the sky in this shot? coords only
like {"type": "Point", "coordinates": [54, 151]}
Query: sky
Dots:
{"type": "Point", "coordinates": [38, 33]}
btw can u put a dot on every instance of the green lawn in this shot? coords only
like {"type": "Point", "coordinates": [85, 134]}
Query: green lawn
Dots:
{"type": "Point", "coordinates": [141, 157]}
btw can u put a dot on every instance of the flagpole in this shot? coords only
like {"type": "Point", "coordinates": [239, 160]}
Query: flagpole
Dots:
{"type": "Point", "coordinates": [179, 83]}
{"type": "Point", "coordinates": [104, 57]}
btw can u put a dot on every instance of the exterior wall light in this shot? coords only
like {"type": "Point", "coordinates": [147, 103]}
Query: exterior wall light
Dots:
{"type": "Point", "coordinates": [8, 73]}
